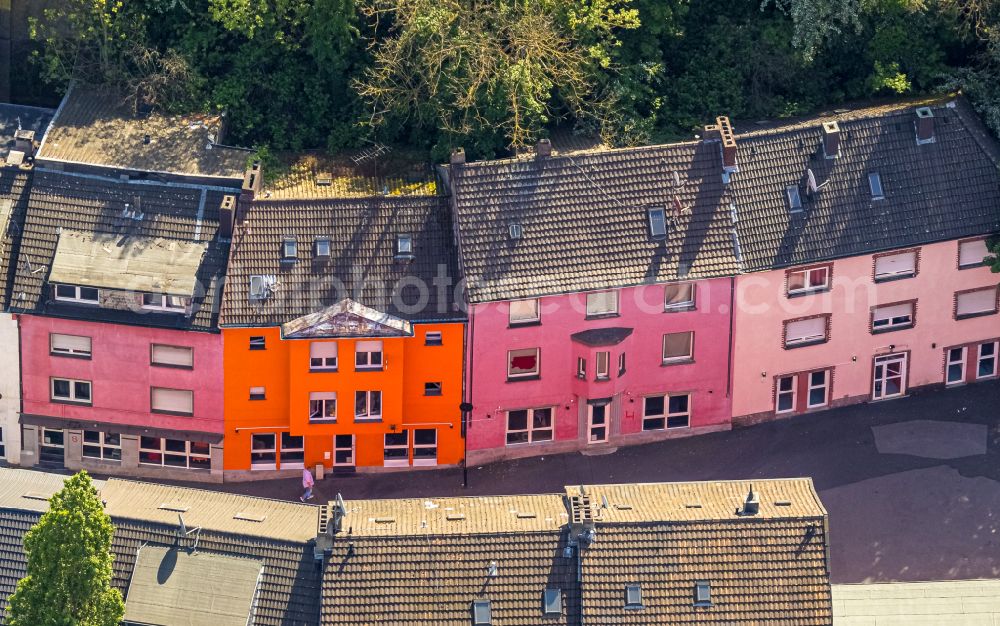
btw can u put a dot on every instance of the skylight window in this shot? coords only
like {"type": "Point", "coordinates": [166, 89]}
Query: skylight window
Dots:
{"type": "Point", "coordinates": [657, 223]}
{"type": "Point", "coordinates": [260, 287]}
{"type": "Point", "coordinates": [702, 593]}
{"type": "Point", "coordinates": [515, 232]}
{"type": "Point", "coordinates": [322, 246]}
{"type": "Point", "coordinates": [875, 182]}
{"type": "Point", "coordinates": [633, 597]}
{"type": "Point", "coordinates": [552, 603]}
{"type": "Point", "coordinates": [482, 614]}
{"type": "Point", "coordinates": [289, 249]}
{"type": "Point", "coordinates": [404, 246]}
{"type": "Point", "coordinates": [794, 200]}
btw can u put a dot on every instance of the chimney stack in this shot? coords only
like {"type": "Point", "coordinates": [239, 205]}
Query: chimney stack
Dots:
{"type": "Point", "coordinates": [831, 139]}
{"type": "Point", "coordinates": [252, 181]}
{"type": "Point", "coordinates": [543, 148]}
{"type": "Point", "coordinates": [925, 125]}
{"type": "Point", "coordinates": [728, 139]}
{"type": "Point", "coordinates": [752, 504]}
{"type": "Point", "coordinates": [227, 216]}
{"type": "Point", "coordinates": [457, 156]}
{"type": "Point", "coordinates": [24, 141]}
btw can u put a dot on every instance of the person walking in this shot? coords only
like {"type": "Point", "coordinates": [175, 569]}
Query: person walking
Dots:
{"type": "Point", "coordinates": [307, 484]}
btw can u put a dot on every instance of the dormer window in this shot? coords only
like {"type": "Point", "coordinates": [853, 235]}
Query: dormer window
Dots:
{"type": "Point", "coordinates": [404, 246]}
{"type": "Point", "coordinates": [657, 223]}
{"type": "Point", "coordinates": [163, 302]}
{"type": "Point", "coordinates": [322, 246]}
{"type": "Point", "coordinates": [875, 183]}
{"type": "Point", "coordinates": [794, 199]}
{"type": "Point", "coordinates": [74, 293]}
{"type": "Point", "coordinates": [289, 249]}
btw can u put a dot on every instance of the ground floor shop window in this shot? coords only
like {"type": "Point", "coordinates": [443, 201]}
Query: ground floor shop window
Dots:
{"type": "Point", "coordinates": [263, 451]}
{"type": "Point", "coordinates": [175, 453]}
{"type": "Point", "coordinates": [529, 426]}
{"type": "Point", "coordinates": [802, 391]}
{"type": "Point", "coordinates": [397, 449]}
{"type": "Point", "coordinates": [102, 446]}
{"type": "Point", "coordinates": [666, 411]}
{"type": "Point", "coordinates": [293, 451]}
{"type": "Point", "coordinates": [425, 446]}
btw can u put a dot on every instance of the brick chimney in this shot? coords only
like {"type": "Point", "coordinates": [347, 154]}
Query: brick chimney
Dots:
{"type": "Point", "coordinates": [831, 139]}
{"type": "Point", "coordinates": [728, 138]}
{"type": "Point", "coordinates": [457, 156]}
{"type": "Point", "coordinates": [227, 216]}
{"type": "Point", "coordinates": [252, 181]}
{"type": "Point", "coordinates": [24, 141]}
{"type": "Point", "coordinates": [543, 148]}
{"type": "Point", "coordinates": [925, 125]}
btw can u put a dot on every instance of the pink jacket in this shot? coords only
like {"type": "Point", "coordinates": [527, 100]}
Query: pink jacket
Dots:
{"type": "Point", "coordinates": [307, 479]}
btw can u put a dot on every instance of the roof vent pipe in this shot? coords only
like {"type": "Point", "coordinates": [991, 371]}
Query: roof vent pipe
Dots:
{"type": "Point", "coordinates": [831, 139]}
{"type": "Point", "coordinates": [925, 125]}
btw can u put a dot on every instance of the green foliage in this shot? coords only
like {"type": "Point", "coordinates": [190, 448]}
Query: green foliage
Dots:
{"type": "Point", "coordinates": [68, 581]}
{"type": "Point", "coordinates": [993, 260]}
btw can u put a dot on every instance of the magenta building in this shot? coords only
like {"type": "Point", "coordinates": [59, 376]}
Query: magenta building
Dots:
{"type": "Point", "coordinates": [600, 291]}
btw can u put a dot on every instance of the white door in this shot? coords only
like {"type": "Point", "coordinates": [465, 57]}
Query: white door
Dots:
{"type": "Point", "coordinates": [597, 427]}
{"type": "Point", "coordinates": [343, 450]}
{"type": "Point", "coordinates": [889, 380]}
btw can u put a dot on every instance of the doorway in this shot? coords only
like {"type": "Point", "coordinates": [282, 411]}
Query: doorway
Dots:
{"type": "Point", "coordinates": [343, 451]}
{"type": "Point", "coordinates": [52, 448]}
{"type": "Point", "coordinates": [889, 380]}
{"type": "Point", "coordinates": [597, 426]}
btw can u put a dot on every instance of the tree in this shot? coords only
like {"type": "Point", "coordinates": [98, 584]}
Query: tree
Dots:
{"type": "Point", "coordinates": [68, 581]}
{"type": "Point", "coordinates": [993, 260]}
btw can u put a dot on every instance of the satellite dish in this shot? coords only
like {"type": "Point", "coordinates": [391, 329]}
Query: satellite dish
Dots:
{"type": "Point", "coordinates": [811, 181]}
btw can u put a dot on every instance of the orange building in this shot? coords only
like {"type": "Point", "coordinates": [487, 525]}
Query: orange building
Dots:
{"type": "Point", "coordinates": [343, 345]}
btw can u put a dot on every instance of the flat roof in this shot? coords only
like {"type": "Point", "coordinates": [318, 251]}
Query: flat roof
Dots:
{"type": "Point", "coordinates": [952, 602]}
{"type": "Point", "coordinates": [30, 490]}
{"type": "Point", "coordinates": [16, 116]}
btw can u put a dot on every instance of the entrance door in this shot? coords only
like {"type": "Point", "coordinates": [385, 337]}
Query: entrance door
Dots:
{"type": "Point", "coordinates": [343, 450]}
{"type": "Point", "coordinates": [889, 376]}
{"type": "Point", "coordinates": [598, 423]}
{"type": "Point", "coordinates": [52, 448]}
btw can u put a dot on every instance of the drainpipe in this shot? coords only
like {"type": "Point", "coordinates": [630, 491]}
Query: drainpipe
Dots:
{"type": "Point", "coordinates": [20, 390]}
{"type": "Point", "coordinates": [466, 407]}
{"type": "Point", "coordinates": [732, 311]}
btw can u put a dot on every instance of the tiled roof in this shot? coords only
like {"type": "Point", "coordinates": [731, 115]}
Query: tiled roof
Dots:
{"type": "Point", "coordinates": [314, 176]}
{"type": "Point", "coordinates": [584, 220]}
{"type": "Point", "coordinates": [14, 525]}
{"type": "Point", "coordinates": [936, 191]}
{"type": "Point", "coordinates": [96, 127]}
{"type": "Point", "coordinates": [96, 204]}
{"type": "Point", "coordinates": [362, 264]}
{"type": "Point", "coordinates": [14, 186]}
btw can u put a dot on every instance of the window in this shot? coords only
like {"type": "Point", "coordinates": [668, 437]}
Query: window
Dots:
{"type": "Point", "coordinates": [322, 246]}
{"type": "Point", "coordinates": [621, 363]}
{"type": "Point", "coordinates": [972, 253]}
{"type": "Point", "coordinates": [875, 184]}
{"type": "Point", "coordinates": [529, 426]}
{"type": "Point", "coordinates": [258, 393]}
{"type": "Point", "coordinates": [515, 232]}
{"type": "Point", "coordinates": [657, 223]}
{"type": "Point", "coordinates": [817, 392]}
{"type": "Point", "coordinates": [702, 593]}
{"type": "Point", "coordinates": [367, 405]}
{"type": "Point", "coordinates": [523, 312]}
{"type": "Point", "coordinates": [666, 411]}
{"type": "Point", "coordinates": [955, 366]}
{"type": "Point", "coordinates": [602, 365]}
{"type": "Point", "coordinates": [432, 389]}
{"type": "Point", "coordinates": [323, 356]}
{"type": "Point", "coordinates": [482, 615]}
{"type": "Point", "coordinates": [163, 302]}
{"type": "Point", "coordinates": [892, 317]}
{"type": "Point", "coordinates": [171, 356]}
{"type": "Point", "coordinates": [677, 347]}
{"type": "Point", "coordinates": [396, 449]}
{"type": "Point", "coordinates": [258, 343]}
{"type": "Point", "coordinates": [602, 303]}
{"type": "Point", "coordinates": [794, 199]}
{"type": "Point", "coordinates": [633, 597]}
{"type": "Point", "coordinates": [987, 361]}
{"type": "Point", "coordinates": [404, 246]}
{"type": "Point", "coordinates": [805, 332]}
{"type": "Point", "coordinates": [73, 293]}
{"type": "Point", "coordinates": [678, 297]}
{"type": "Point", "coordinates": [322, 406]}
{"type": "Point", "coordinates": [552, 603]}
{"type": "Point", "coordinates": [172, 401]}
{"type": "Point", "coordinates": [293, 451]}
{"type": "Point", "coordinates": [70, 390]}
{"type": "Point", "coordinates": [261, 287]}
{"type": "Point", "coordinates": [522, 363]}
{"type": "Point", "coordinates": [805, 281]}
{"type": "Point", "coordinates": [896, 265]}
{"type": "Point", "coordinates": [289, 249]}
{"type": "Point", "coordinates": [368, 355]}
{"type": "Point", "coordinates": [975, 303]}
{"type": "Point", "coordinates": [263, 451]}
{"type": "Point", "coordinates": [581, 367]}
{"type": "Point", "coordinates": [433, 338]}
{"type": "Point", "coordinates": [194, 455]}
{"type": "Point", "coordinates": [424, 446]}
{"type": "Point", "coordinates": [102, 446]}
{"type": "Point", "coordinates": [69, 345]}
{"type": "Point", "coordinates": [785, 395]}
{"type": "Point", "coordinates": [3, 446]}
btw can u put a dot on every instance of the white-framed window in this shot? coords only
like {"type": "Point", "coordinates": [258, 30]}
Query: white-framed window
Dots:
{"type": "Point", "coordinates": [263, 451]}
{"type": "Point", "coordinates": [322, 246]}
{"type": "Point", "coordinates": [817, 393]}
{"type": "Point", "coordinates": [69, 345]}
{"type": "Point", "coordinates": [367, 405]}
{"type": "Point", "coordinates": [102, 446]}
{"type": "Point", "coordinates": [323, 356]}
{"type": "Point", "coordinates": [812, 279]}
{"type": "Point", "coordinates": [955, 366]}
{"type": "Point", "coordinates": [368, 355]}
{"type": "Point", "coordinates": [3, 445]}
{"type": "Point", "coordinates": [581, 367]}
{"type": "Point", "coordinates": [76, 293]}
{"type": "Point", "coordinates": [258, 343]}
{"type": "Point", "coordinates": [289, 249]}
{"type": "Point", "coordinates": [529, 426]}
{"type": "Point", "coordinates": [603, 365]}
{"type": "Point", "coordinates": [523, 312]}
{"type": "Point", "coordinates": [171, 401]}
{"type": "Point", "coordinates": [678, 346]}
{"type": "Point", "coordinates": [657, 222]}
{"type": "Point", "coordinates": [432, 389]}
{"type": "Point", "coordinates": [679, 296]}
{"type": "Point", "coordinates": [621, 363]}
{"type": "Point", "coordinates": [666, 411]}
{"type": "Point", "coordinates": [163, 302]}
{"type": "Point", "coordinates": [261, 287]}
{"type": "Point", "coordinates": [293, 451]}
{"type": "Point", "coordinates": [971, 253]}
{"type": "Point", "coordinates": [195, 455]}
{"type": "Point", "coordinates": [602, 303]}
{"type": "Point", "coordinates": [322, 406]}
{"type": "Point", "coordinates": [794, 198]}
{"type": "Point", "coordinates": [396, 449]}
{"type": "Point", "coordinates": [171, 356]}
{"type": "Point", "coordinates": [258, 393]}
{"type": "Point", "coordinates": [974, 303]}
{"type": "Point", "coordinates": [804, 332]}
{"type": "Point", "coordinates": [523, 363]}
{"type": "Point", "coordinates": [987, 359]}
{"type": "Point", "coordinates": [71, 390]}
{"type": "Point", "coordinates": [894, 316]}
{"type": "Point", "coordinates": [425, 446]}
{"type": "Point", "coordinates": [896, 265]}
{"type": "Point", "coordinates": [785, 392]}
{"type": "Point", "coordinates": [433, 338]}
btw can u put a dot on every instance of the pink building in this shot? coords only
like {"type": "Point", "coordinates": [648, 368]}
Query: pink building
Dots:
{"type": "Point", "coordinates": [865, 235]}
{"type": "Point", "coordinates": [600, 297]}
